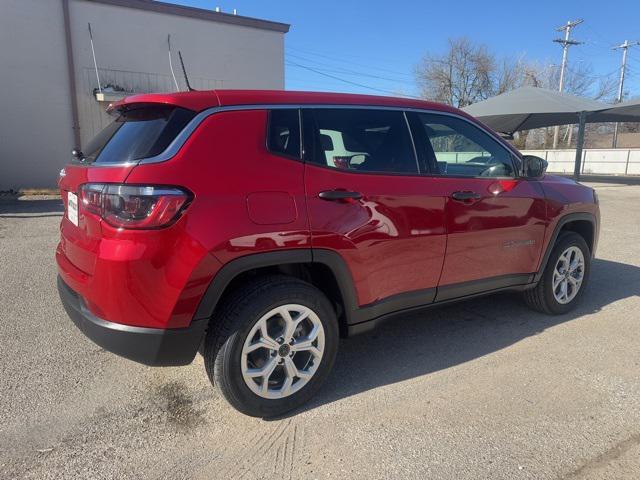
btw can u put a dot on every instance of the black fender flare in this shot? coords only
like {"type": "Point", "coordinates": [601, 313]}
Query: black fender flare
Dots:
{"type": "Point", "coordinates": [570, 217]}
{"type": "Point", "coordinates": [235, 267]}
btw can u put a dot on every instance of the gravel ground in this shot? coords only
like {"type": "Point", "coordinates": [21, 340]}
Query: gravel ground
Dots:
{"type": "Point", "coordinates": [483, 389]}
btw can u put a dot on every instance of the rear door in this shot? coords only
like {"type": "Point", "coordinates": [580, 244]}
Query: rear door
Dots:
{"type": "Point", "coordinates": [142, 131]}
{"type": "Point", "coordinates": [495, 220]}
{"type": "Point", "coordinates": [368, 201]}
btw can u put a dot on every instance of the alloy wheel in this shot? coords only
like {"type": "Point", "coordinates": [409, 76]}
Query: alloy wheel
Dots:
{"type": "Point", "coordinates": [282, 351]}
{"type": "Point", "coordinates": [568, 275]}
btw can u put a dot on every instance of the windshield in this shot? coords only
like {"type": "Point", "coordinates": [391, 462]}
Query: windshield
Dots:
{"type": "Point", "coordinates": [137, 133]}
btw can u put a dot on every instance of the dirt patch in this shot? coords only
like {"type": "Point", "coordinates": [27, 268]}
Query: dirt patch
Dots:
{"type": "Point", "coordinates": [175, 399]}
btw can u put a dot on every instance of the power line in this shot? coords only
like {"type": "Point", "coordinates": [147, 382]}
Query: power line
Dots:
{"type": "Point", "coordinates": [592, 76]}
{"type": "Point", "coordinates": [633, 59]}
{"type": "Point", "coordinates": [334, 69]}
{"type": "Point", "coordinates": [604, 43]}
{"type": "Point", "coordinates": [350, 62]}
{"type": "Point", "coordinates": [304, 82]}
{"type": "Point", "coordinates": [362, 85]}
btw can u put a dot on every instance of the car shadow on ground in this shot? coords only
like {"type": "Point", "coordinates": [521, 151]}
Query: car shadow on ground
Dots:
{"type": "Point", "coordinates": [418, 344]}
{"type": "Point", "coordinates": [13, 208]}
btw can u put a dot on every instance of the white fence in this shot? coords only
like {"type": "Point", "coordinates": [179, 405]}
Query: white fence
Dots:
{"type": "Point", "coordinates": [458, 157]}
{"type": "Point", "coordinates": [594, 161]}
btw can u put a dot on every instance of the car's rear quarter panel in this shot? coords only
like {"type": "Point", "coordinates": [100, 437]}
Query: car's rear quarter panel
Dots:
{"type": "Point", "coordinates": [225, 164]}
{"type": "Point", "coordinates": [156, 278]}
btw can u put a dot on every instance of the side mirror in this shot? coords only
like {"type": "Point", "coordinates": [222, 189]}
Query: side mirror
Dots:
{"type": "Point", "coordinates": [533, 167]}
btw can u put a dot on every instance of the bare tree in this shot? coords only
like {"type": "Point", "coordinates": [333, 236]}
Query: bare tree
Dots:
{"type": "Point", "coordinates": [508, 75]}
{"type": "Point", "coordinates": [459, 77]}
{"type": "Point", "coordinates": [467, 73]}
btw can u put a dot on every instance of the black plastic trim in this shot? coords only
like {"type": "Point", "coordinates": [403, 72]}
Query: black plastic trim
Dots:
{"type": "Point", "coordinates": [461, 290]}
{"type": "Point", "coordinates": [396, 303]}
{"type": "Point", "coordinates": [150, 346]}
{"type": "Point", "coordinates": [367, 325]}
{"type": "Point", "coordinates": [235, 267]}
{"type": "Point", "coordinates": [570, 217]}
{"type": "Point", "coordinates": [355, 316]}
{"type": "Point", "coordinates": [282, 257]}
{"type": "Point", "coordinates": [343, 277]}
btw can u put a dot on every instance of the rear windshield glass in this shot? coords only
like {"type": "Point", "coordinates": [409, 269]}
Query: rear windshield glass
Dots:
{"type": "Point", "coordinates": [137, 133]}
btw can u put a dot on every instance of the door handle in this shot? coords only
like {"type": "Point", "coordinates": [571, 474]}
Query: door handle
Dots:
{"type": "Point", "coordinates": [465, 196]}
{"type": "Point", "coordinates": [339, 195]}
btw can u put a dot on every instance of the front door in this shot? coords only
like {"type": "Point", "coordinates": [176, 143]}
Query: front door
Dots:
{"type": "Point", "coordinates": [368, 202]}
{"type": "Point", "coordinates": [495, 221]}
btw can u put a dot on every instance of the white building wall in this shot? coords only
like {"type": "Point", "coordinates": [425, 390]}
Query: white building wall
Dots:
{"type": "Point", "coordinates": [131, 49]}
{"type": "Point", "coordinates": [35, 124]}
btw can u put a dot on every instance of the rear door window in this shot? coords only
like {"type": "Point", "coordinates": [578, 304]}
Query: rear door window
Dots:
{"type": "Point", "coordinates": [136, 134]}
{"type": "Point", "coordinates": [362, 140]}
{"type": "Point", "coordinates": [283, 137]}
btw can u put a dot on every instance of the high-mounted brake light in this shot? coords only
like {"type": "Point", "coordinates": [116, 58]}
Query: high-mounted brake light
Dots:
{"type": "Point", "coordinates": [134, 206]}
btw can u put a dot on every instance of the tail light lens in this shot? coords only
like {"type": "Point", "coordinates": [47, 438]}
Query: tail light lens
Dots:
{"type": "Point", "coordinates": [92, 197]}
{"type": "Point", "coordinates": [134, 206]}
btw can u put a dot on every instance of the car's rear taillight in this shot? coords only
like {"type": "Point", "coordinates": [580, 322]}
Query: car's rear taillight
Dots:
{"type": "Point", "coordinates": [91, 197]}
{"type": "Point", "coordinates": [134, 206]}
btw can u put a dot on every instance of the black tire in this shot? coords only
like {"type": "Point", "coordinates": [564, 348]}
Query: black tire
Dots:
{"type": "Point", "coordinates": [234, 320]}
{"type": "Point", "coordinates": [541, 297]}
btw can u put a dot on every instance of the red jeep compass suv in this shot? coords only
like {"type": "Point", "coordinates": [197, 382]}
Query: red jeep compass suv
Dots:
{"type": "Point", "coordinates": [260, 226]}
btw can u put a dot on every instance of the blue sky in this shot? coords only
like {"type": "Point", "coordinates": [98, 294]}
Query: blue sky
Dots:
{"type": "Point", "coordinates": [376, 44]}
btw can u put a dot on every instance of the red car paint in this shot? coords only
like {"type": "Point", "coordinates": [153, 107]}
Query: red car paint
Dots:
{"type": "Point", "coordinates": [405, 234]}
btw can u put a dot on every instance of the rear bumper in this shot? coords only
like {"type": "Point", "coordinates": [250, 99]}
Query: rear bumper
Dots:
{"type": "Point", "coordinates": [149, 346]}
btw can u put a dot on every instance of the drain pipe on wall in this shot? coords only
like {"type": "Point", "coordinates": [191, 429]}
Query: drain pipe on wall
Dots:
{"type": "Point", "coordinates": [72, 76]}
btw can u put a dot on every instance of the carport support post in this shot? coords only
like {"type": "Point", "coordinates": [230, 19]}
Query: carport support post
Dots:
{"type": "Point", "coordinates": [579, 143]}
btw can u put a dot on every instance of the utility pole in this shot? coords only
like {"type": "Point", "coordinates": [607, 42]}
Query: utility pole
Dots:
{"type": "Point", "coordinates": [625, 46]}
{"type": "Point", "coordinates": [566, 42]}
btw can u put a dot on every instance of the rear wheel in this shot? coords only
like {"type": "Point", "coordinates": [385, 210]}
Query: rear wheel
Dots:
{"type": "Point", "coordinates": [565, 277]}
{"type": "Point", "coordinates": [272, 345]}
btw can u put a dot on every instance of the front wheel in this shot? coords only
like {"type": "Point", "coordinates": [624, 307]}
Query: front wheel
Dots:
{"type": "Point", "coordinates": [272, 345]}
{"type": "Point", "coordinates": [565, 277]}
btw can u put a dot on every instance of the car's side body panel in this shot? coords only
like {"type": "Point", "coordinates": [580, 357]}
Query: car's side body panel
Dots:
{"type": "Point", "coordinates": [393, 239]}
{"type": "Point", "coordinates": [500, 233]}
{"type": "Point", "coordinates": [565, 197]}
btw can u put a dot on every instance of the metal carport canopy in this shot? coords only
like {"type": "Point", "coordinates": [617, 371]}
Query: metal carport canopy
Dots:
{"type": "Point", "coordinates": [622, 112]}
{"type": "Point", "coordinates": [531, 107]}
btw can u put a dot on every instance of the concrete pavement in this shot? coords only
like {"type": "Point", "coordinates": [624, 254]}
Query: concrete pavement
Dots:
{"type": "Point", "coordinates": [484, 389]}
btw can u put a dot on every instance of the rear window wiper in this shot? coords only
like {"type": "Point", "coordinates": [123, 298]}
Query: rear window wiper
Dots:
{"type": "Point", "coordinates": [78, 155]}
